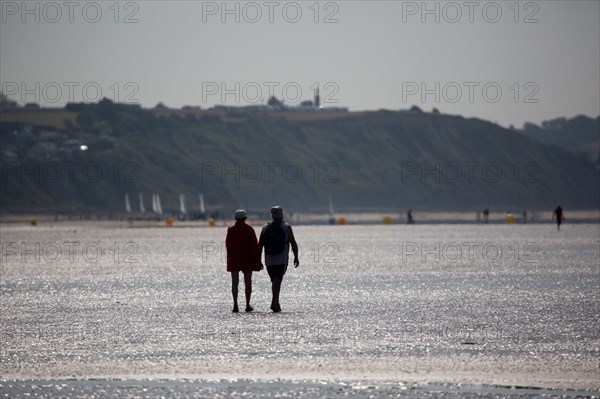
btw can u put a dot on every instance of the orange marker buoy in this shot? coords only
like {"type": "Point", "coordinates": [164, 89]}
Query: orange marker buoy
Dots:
{"type": "Point", "coordinates": [509, 219]}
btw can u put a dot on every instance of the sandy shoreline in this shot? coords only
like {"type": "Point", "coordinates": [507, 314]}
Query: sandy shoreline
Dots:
{"type": "Point", "coordinates": [302, 218]}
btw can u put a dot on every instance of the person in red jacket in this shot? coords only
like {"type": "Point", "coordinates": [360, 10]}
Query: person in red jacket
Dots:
{"type": "Point", "coordinates": [242, 255]}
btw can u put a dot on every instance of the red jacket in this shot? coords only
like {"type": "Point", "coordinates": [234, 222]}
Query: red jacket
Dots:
{"type": "Point", "coordinates": [242, 248]}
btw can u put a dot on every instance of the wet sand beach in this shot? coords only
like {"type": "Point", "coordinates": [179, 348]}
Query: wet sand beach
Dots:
{"type": "Point", "coordinates": [461, 310]}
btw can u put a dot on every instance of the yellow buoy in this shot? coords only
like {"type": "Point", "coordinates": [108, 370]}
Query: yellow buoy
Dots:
{"type": "Point", "coordinates": [212, 222]}
{"type": "Point", "coordinates": [33, 221]}
{"type": "Point", "coordinates": [387, 220]}
{"type": "Point", "coordinates": [341, 220]}
{"type": "Point", "coordinates": [169, 222]}
{"type": "Point", "coordinates": [509, 219]}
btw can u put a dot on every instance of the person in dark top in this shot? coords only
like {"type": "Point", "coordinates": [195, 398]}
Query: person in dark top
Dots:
{"type": "Point", "coordinates": [276, 238]}
{"type": "Point", "coordinates": [409, 217]}
{"type": "Point", "coordinates": [242, 255]}
{"type": "Point", "coordinates": [486, 215]}
{"type": "Point", "coordinates": [558, 214]}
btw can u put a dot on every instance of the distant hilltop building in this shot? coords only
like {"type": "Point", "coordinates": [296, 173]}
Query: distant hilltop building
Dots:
{"type": "Point", "coordinates": [276, 105]}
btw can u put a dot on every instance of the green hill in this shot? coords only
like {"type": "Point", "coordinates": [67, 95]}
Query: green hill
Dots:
{"type": "Point", "coordinates": [580, 135]}
{"type": "Point", "coordinates": [376, 160]}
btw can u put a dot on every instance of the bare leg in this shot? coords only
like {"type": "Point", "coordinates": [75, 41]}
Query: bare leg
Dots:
{"type": "Point", "coordinates": [235, 280]}
{"type": "Point", "coordinates": [276, 287]}
{"type": "Point", "coordinates": [248, 286]}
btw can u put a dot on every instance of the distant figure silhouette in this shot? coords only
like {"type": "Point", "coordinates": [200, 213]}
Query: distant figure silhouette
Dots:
{"type": "Point", "coordinates": [558, 214]}
{"type": "Point", "coordinates": [409, 217]}
{"type": "Point", "coordinates": [242, 255]}
{"type": "Point", "coordinates": [524, 216]}
{"type": "Point", "coordinates": [277, 237]}
{"type": "Point", "coordinates": [486, 215]}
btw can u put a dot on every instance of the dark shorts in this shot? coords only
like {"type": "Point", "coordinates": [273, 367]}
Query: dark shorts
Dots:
{"type": "Point", "coordinates": [240, 270]}
{"type": "Point", "coordinates": [276, 271]}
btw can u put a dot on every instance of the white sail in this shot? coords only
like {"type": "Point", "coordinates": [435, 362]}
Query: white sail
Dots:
{"type": "Point", "coordinates": [182, 207]}
{"type": "Point", "coordinates": [127, 204]}
{"type": "Point", "coordinates": [158, 206]}
{"type": "Point", "coordinates": [202, 209]}
{"type": "Point", "coordinates": [155, 203]}
{"type": "Point", "coordinates": [142, 207]}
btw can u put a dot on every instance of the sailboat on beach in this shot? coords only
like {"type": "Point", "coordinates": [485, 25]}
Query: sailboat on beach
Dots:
{"type": "Point", "coordinates": [182, 207]}
{"type": "Point", "coordinates": [127, 203]}
{"type": "Point", "coordinates": [142, 207]}
{"type": "Point", "coordinates": [202, 208]}
{"type": "Point", "coordinates": [156, 207]}
{"type": "Point", "coordinates": [201, 214]}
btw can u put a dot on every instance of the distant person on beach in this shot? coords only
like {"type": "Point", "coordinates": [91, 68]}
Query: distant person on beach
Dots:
{"type": "Point", "coordinates": [409, 217]}
{"type": "Point", "coordinates": [242, 256]}
{"type": "Point", "coordinates": [486, 215]}
{"type": "Point", "coordinates": [558, 214]}
{"type": "Point", "coordinates": [276, 238]}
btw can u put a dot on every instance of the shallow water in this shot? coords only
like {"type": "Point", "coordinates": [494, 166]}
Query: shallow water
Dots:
{"type": "Point", "coordinates": [276, 388]}
{"type": "Point", "coordinates": [508, 305]}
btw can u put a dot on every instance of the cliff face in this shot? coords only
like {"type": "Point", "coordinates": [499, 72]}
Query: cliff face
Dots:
{"type": "Point", "coordinates": [391, 160]}
{"type": "Point", "coordinates": [580, 135]}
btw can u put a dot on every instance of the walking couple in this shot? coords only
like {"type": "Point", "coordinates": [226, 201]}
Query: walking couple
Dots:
{"type": "Point", "coordinates": [244, 254]}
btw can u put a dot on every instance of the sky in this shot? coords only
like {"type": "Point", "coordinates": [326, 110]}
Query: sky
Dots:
{"type": "Point", "coordinates": [507, 62]}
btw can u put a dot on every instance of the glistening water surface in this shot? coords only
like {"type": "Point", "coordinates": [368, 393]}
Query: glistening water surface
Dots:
{"type": "Point", "coordinates": [448, 304]}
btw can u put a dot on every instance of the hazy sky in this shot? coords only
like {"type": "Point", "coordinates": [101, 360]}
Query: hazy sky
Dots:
{"type": "Point", "coordinates": [503, 61]}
